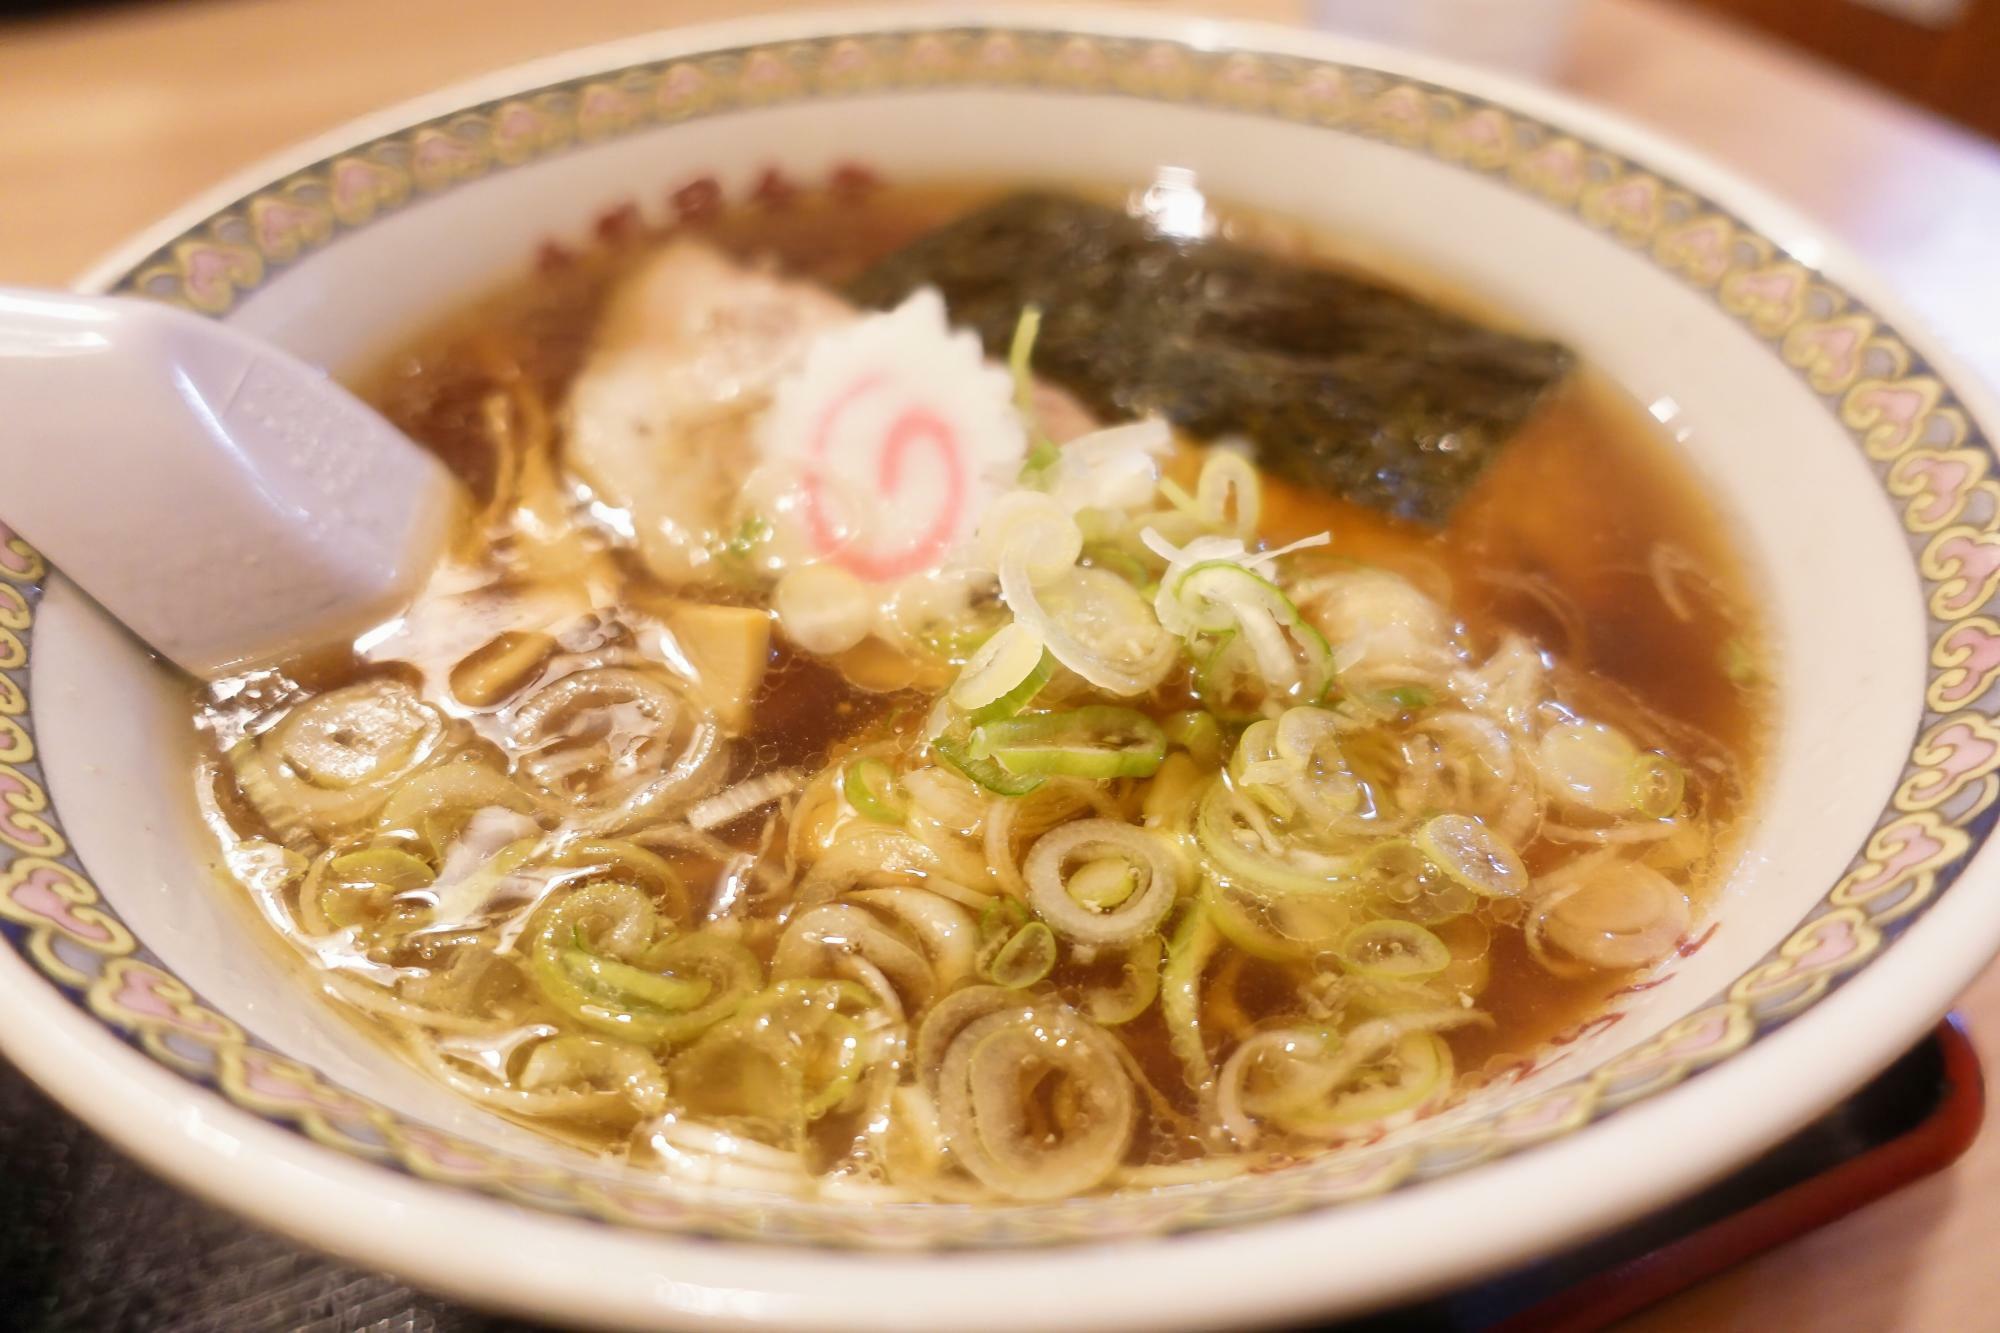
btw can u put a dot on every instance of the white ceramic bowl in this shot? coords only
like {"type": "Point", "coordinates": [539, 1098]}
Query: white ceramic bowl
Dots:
{"type": "Point", "coordinates": [1850, 454]}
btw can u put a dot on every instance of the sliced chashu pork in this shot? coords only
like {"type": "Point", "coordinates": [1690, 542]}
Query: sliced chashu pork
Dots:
{"type": "Point", "coordinates": [660, 420]}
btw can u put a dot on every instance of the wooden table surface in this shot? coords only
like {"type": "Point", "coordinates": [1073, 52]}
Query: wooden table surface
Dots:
{"type": "Point", "coordinates": [110, 119]}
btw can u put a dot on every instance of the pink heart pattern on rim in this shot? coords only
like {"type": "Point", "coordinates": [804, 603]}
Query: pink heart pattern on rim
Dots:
{"type": "Point", "coordinates": [1902, 864]}
{"type": "Point", "coordinates": [138, 994]}
{"type": "Point", "coordinates": [1965, 563]}
{"type": "Point", "coordinates": [21, 824]}
{"type": "Point", "coordinates": [1698, 250]}
{"type": "Point", "coordinates": [1829, 351]}
{"type": "Point", "coordinates": [1892, 415]}
{"type": "Point", "coordinates": [1938, 485]}
{"type": "Point", "coordinates": [39, 892]}
{"type": "Point", "coordinates": [1969, 657]}
{"type": "Point", "coordinates": [1772, 299]}
{"type": "Point", "coordinates": [1955, 753]}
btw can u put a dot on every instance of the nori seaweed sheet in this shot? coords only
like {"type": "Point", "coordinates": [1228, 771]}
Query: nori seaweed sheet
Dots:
{"type": "Point", "coordinates": [1338, 383]}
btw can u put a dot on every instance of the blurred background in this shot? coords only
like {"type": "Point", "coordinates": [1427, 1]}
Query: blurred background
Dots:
{"type": "Point", "coordinates": [1876, 117]}
{"type": "Point", "coordinates": [1866, 114]}
{"type": "Point", "coordinates": [162, 97]}
{"type": "Point", "coordinates": [1937, 52]}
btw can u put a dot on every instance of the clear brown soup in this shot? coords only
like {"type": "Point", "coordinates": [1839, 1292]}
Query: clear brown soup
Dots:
{"type": "Point", "coordinates": [1587, 536]}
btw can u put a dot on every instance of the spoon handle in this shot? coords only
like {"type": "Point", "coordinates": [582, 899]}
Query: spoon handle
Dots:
{"type": "Point", "coordinates": [226, 501]}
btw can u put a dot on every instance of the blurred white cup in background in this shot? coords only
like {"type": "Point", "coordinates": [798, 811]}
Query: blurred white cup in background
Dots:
{"type": "Point", "coordinates": [1527, 36]}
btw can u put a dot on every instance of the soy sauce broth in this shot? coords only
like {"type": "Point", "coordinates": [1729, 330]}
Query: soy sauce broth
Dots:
{"type": "Point", "coordinates": [1588, 536]}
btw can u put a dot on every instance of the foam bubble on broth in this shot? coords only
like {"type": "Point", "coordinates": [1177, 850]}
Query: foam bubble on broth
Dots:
{"type": "Point", "coordinates": [616, 858]}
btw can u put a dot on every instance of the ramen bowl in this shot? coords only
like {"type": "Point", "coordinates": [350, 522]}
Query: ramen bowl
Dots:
{"type": "Point", "coordinates": [1849, 455]}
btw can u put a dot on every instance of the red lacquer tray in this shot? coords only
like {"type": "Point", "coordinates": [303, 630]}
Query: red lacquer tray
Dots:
{"type": "Point", "coordinates": [1915, 1118]}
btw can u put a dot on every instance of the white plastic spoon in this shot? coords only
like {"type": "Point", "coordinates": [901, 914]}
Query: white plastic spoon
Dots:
{"type": "Point", "coordinates": [226, 501]}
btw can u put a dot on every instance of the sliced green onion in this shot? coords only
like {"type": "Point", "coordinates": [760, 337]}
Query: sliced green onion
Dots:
{"type": "Point", "coordinates": [956, 751]}
{"type": "Point", "coordinates": [1097, 741]}
{"type": "Point", "coordinates": [1188, 953]}
{"type": "Point", "coordinates": [1240, 924]}
{"type": "Point", "coordinates": [843, 1034]}
{"type": "Point", "coordinates": [1624, 915]}
{"type": "Point", "coordinates": [1302, 737]}
{"type": "Point", "coordinates": [957, 638]}
{"type": "Point", "coordinates": [1094, 622]}
{"type": "Point", "coordinates": [1221, 599]}
{"type": "Point", "coordinates": [437, 803]}
{"type": "Point", "coordinates": [998, 924]}
{"type": "Point", "coordinates": [358, 735]}
{"type": "Point", "coordinates": [944, 928]}
{"type": "Point", "coordinates": [345, 905]}
{"type": "Point", "coordinates": [1168, 805]}
{"type": "Point", "coordinates": [1421, 889]}
{"type": "Point", "coordinates": [1177, 496]}
{"type": "Point", "coordinates": [1279, 931]}
{"type": "Point", "coordinates": [829, 992]}
{"type": "Point", "coordinates": [1146, 856]}
{"type": "Point", "coordinates": [1399, 1079]}
{"type": "Point", "coordinates": [1139, 987]}
{"type": "Point", "coordinates": [1042, 455]}
{"type": "Point", "coordinates": [334, 761]}
{"type": "Point", "coordinates": [1025, 958]}
{"type": "Point", "coordinates": [1240, 855]}
{"type": "Point", "coordinates": [388, 866]}
{"type": "Point", "coordinates": [1002, 917]}
{"type": "Point", "coordinates": [1034, 1102]}
{"type": "Point", "coordinates": [1102, 885]}
{"type": "Point", "coordinates": [1014, 700]}
{"type": "Point", "coordinates": [1273, 1072]}
{"type": "Point", "coordinates": [1658, 785]}
{"type": "Point", "coordinates": [1311, 766]}
{"type": "Point", "coordinates": [634, 987]}
{"type": "Point", "coordinates": [1091, 620]}
{"type": "Point", "coordinates": [1589, 765]}
{"type": "Point", "coordinates": [870, 787]}
{"type": "Point", "coordinates": [732, 971]}
{"type": "Point", "coordinates": [684, 986]}
{"type": "Point", "coordinates": [1212, 595]}
{"type": "Point", "coordinates": [825, 608]}
{"type": "Point", "coordinates": [1042, 451]}
{"type": "Point", "coordinates": [825, 1006]}
{"type": "Point", "coordinates": [1020, 352]}
{"type": "Point", "coordinates": [1408, 698]}
{"type": "Point", "coordinates": [1260, 772]}
{"type": "Point", "coordinates": [1036, 528]}
{"type": "Point", "coordinates": [1103, 555]}
{"type": "Point", "coordinates": [848, 937]}
{"type": "Point", "coordinates": [792, 1053]}
{"type": "Point", "coordinates": [1228, 476]}
{"type": "Point", "coordinates": [1473, 856]}
{"type": "Point", "coordinates": [1001, 664]}
{"type": "Point", "coordinates": [584, 1064]}
{"type": "Point", "coordinates": [613, 860]}
{"type": "Point", "coordinates": [754, 530]}
{"type": "Point", "coordinates": [1198, 733]}
{"type": "Point", "coordinates": [1226, 678]}
{"type": "Point", "coordinates": [1220, 666]}
{"type": "Point", "coordinates": [603, 993]}
{"type": "Point", "coordinates": [1393, 950]}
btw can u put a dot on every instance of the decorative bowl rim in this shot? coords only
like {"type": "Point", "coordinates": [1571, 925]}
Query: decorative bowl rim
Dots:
{"type": "Point", "coordinates": [396, 1221]}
